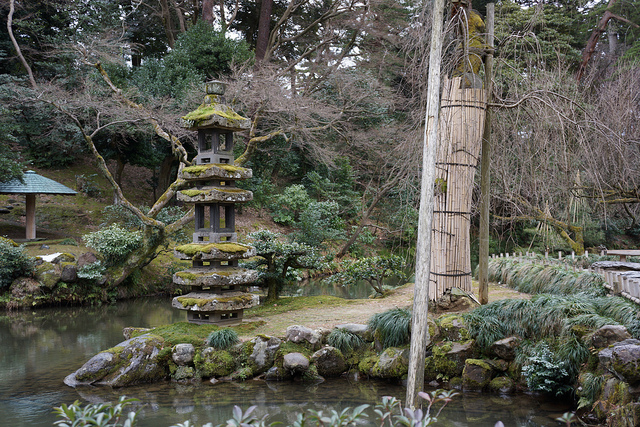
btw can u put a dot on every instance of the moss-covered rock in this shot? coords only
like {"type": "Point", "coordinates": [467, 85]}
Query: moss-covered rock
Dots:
{"type": "Point", "coordinates": [287, 347]}
{"type": "Point", "coordinates": [302, 335]}
{"type": "Point", "coordinates": [64, 257]}
{"type": "Point", "coordinates": [184, 373]}
{"type": "Point", "coordinates": [625, 416]}
{"type": "Point", "coordinates": [502, 385]}
{"type": "Point", "coordinates": [47, 274]}
{"type": "Point", "coordinates": [366, 364]}
{"type": "Point", "coordinates": [476, 374]}
{"type": "Point", "coordinates": [625, 363]}
{"type": "Point", "coordinates": [329, 361]}
{"type": "Point", "coordinates": [447, 359]}
{"type": "Point", "coordinates": [242, 374]}
{"type": "Point", "coordinates": [452, 328]}
{"type": "Point", "coordinates": [393, 363]}
{"type": "Point", "coordinates": [131, 362]}
{"type": "Point", "coordinates": [214, 363]}
{"type": "Point", "coordinates": [8, 242]}
{"type": "Point", "coordinates": [261, 352]}
{"type": "Point", "coordinates": [23, 290]}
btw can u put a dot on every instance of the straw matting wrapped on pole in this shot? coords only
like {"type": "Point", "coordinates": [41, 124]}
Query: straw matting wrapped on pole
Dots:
{"type": "Point", "coordinates": [462, 113]}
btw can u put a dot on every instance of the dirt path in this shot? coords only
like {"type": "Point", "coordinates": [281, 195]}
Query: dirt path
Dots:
{"type": "Point", "coordinates": [359, 311]}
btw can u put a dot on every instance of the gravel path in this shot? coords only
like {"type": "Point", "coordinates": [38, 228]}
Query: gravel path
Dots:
{"type": "Point", "coordinates": [359, 311]}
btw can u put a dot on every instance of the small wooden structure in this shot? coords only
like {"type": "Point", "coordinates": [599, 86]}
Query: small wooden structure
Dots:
{"type": "Point", "coordinates": [622, 253]}
{"type": "Point", "coordinates": [33, 184]}
{"type": "Point", "coordinates": [219, 287]}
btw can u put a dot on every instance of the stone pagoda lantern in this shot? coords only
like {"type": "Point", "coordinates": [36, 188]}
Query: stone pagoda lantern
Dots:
{"type": "Point", "coordinates": [218, 286]}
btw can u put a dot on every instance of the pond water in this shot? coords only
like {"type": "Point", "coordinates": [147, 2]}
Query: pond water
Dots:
{"type": "Point", "coordinates": [39, 348]}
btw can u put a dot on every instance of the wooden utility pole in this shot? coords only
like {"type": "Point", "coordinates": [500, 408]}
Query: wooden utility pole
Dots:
{"type": "Point", "coordinates": [419, 327]}
{"type": "Point", "coordinates": [485, 179]}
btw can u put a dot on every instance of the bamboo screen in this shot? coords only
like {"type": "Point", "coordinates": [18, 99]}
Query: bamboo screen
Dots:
{"type": "Point", "coordinates": [462, 113]}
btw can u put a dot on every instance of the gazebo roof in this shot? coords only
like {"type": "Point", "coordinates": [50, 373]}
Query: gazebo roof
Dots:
{"type": "Point", "coordinates": [34, 184]}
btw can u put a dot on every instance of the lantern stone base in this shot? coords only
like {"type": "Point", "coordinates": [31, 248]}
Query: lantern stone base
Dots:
{"type": "Point", "coordinates": [227, 318]}
{"type": "Point", "coordinates": [215, 308]}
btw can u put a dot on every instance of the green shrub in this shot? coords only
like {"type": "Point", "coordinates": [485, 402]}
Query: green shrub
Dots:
{"type": "Point", "coordinates": [344, 340]}
{"type": "Point", "coordinates": [14, 263]}
{"type": "Point", "coordinates": [101, 415]}
{"type": "Point", "coordinates": [114, 243]}
{"type": "Point", "coordinates": [546, 373]}
{"type": "Point", "coordinates": [392, 327]}
{"type": "Point", "coordinates": [223, 338]}
{"type": "Point", "coordinates": [86, 184]}
{"type": "Point", "coordinates": [319, 222]}
{"type": "Point", "coordinates": [288, 206]}
{"type": "Point", "coordinates": [93, 271]}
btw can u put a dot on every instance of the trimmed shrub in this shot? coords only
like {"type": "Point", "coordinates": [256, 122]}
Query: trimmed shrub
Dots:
{"type": "Point", "coordinates": [14, 263]}
{"type": "Point", "coordinates": [114, 243]}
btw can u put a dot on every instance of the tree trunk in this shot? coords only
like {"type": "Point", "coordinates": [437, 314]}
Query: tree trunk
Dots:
{"type": "Point", "coordinates": [167, 22]}
{"type": "Point", "coordinates": [264, 28]}
{"type": "Point", "coordinates": [120, 164]}
{"type": "Point", "coordinates": [419, 326]}
{"type": "Point", "coordinates": [485, 178]}
{"type": "Point", "coordinates": [207, 11]}
{"type": "Point", "coordinates": [165, 175]}
{"type": "Point", "coordinates": [138, 259]}
{"type": "Point", "coordinates": [590, 48]}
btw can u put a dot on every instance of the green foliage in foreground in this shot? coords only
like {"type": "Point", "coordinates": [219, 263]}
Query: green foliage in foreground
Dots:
{"type": "Point", "coordinates": [387, 413]}
{"type": "Point", "coordinates": [14, 263]}
{"type": "Point", "coordinates": [100, 415]}
{"type": "Point", "coordinates": [392, 327]}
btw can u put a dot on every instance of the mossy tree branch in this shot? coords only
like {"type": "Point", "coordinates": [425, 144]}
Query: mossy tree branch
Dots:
{"type": "Point", "coordinates": [564, 229]}
{"type": "Point", "coordinates": [176, 145]}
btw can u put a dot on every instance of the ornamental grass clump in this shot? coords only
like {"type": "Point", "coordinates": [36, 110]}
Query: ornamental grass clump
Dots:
{"type": "Point", "coordinates": [590, 387]}
{"type": "Point", "coordinates": [222, 339]}
{"type": "Point", "coordinates": [392, 327]}
{"type": "Point", "coordinates": [536, 278]}
{"type": "Point", "coordinates": [344, 340]}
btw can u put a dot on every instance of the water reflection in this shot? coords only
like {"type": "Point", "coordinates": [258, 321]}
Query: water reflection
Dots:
{"type": "Point", "coordinates": [39, 348]}
{"type": "Point", "coordinates": [315, 287]}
